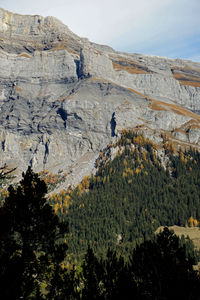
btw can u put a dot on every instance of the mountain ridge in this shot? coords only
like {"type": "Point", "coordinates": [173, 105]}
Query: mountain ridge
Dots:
{"type": "Point", "coordinates": [60, 96]}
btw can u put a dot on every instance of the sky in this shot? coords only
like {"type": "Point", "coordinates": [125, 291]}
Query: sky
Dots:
{"type": "Point", "coordinates": [169, 28]}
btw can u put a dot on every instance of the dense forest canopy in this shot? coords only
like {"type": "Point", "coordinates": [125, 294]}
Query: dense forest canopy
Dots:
{"type": "Point", "coordinates": [97, 241]}
{"type": "Point", "coordinates": [131, 195]}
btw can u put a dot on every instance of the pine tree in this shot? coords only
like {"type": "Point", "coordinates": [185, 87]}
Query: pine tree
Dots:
{"type": "Point", "coordinates": [30, 251]}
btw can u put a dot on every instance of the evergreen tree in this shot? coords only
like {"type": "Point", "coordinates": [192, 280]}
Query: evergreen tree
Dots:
{"type": "Point", "coordinates": [92, 276]}
{"type": "Point", "coordinates": [30, 251]}
{"type": "Point", "coordinates": [162, 269]}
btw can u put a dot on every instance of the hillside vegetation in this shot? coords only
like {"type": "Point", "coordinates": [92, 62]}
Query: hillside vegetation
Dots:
{"type": "Point", "coordinates": [114, 212]}
{"type": "Point", "coordinates": [131, 196]}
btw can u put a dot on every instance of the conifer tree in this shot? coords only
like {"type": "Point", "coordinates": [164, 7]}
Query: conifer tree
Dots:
{"type": "Point", "coordinates": [30, 251]}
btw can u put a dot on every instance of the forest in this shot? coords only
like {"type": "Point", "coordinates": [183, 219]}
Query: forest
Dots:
{"type": "Point", "coordinates": [130, 196]}
{"type": "Point", "coordinates": [97, 240]}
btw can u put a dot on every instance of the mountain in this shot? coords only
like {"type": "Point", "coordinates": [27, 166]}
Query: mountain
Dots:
{"type": "Point", "coordinates": [64, 98]}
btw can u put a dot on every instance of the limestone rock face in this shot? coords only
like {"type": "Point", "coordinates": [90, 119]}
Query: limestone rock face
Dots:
{"type": "Point", "coordinates": [64, 98]}
{"type": "Point", "coordinates": [96, 64]}
{"type": "Point", "coordinates": [38, 67]}
{"type": "Point", "coordinates": [155, 79]}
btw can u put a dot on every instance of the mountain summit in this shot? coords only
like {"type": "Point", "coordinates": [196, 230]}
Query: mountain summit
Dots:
{"type": "Point", "coordinates": [64, 98]}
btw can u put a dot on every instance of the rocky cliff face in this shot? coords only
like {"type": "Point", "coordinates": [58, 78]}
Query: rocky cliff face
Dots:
{"type": "Point", "coordinates": [63, 98]}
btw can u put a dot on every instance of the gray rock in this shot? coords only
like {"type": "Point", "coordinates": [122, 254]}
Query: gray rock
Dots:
{"type": "Point", "coordinates": [64, 98]}
{"type": "Point", "coordinates": [194, 135]}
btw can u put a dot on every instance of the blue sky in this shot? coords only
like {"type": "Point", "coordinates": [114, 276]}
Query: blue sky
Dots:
{"type": "Point", "coordinates": [169, 28]}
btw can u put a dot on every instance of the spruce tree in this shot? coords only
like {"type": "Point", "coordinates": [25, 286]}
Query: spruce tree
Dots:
{"type": "Point", "coordinates": [30, 251]}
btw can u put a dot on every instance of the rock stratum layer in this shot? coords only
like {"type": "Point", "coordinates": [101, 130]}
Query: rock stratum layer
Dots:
{"type": "Point", "coordinates": [63, 98]}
